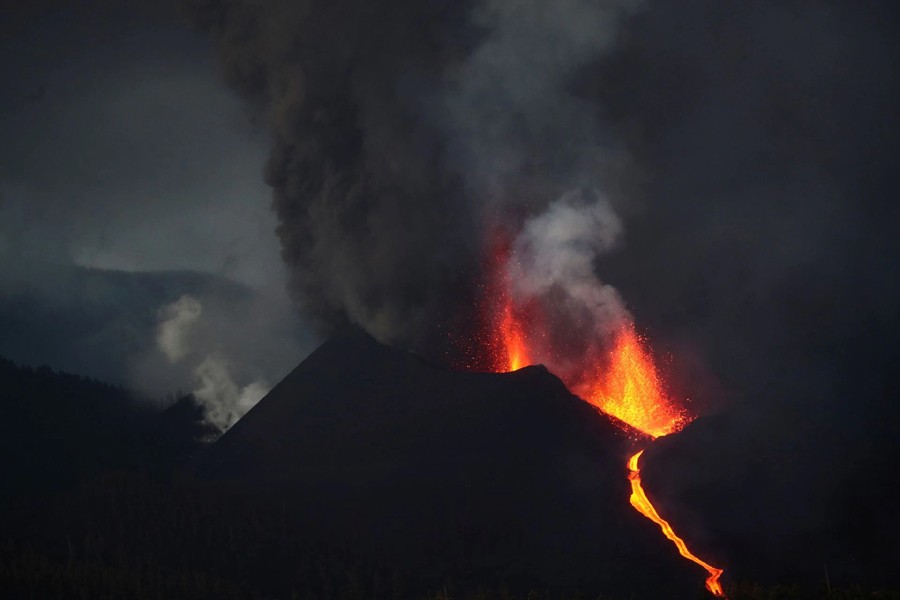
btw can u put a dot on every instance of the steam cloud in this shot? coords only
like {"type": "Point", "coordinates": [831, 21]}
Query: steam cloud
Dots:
{"type": "Point", "coordinates": [401, 128]}
{"type": "Point", "coordinates": [171, 336]}
{"type": "Point", "coordinates": [557, 250]}
{"type": "Point", "coordinates": [223, 400]}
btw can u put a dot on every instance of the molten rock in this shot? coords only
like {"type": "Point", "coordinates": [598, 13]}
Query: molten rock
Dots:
{"type": "Point", "coordinates": [476, 476]}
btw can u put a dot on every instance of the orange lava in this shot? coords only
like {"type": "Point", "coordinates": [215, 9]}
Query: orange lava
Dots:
{"type": "Point", "coordinates": [505, 343]}
{"type": "Point", "coordinates": [622, 381]}
{"type": "Point", "coordinates": [642, 504]}
{"type": "Point", "coordinates": [514, 341]}
{"type": "Point", "coordinates": [630, 389]}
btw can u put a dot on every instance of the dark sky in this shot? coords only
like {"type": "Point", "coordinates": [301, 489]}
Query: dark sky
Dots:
{"type": "Point", "coordinates": [118, 136]}
{"type": "Point", "coordinates": [124, 152]}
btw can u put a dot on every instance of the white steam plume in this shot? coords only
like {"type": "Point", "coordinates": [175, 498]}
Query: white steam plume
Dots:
{"type": "Point", "coordinates": [223, 399]}
{"type": "Point", "coordinates": [177, 319]}
{"type": "Point", "coordinates": [225, 402]}
{"type": "Point", "coordinates": [557, 249]}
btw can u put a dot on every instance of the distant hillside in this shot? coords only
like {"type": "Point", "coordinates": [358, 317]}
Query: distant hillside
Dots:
{"type": "Point", "coordinates": [59, 429]}
{"type": "Point", "coordinates": [93, 321]}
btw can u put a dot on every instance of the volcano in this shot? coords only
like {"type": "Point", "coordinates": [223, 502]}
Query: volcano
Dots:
{"type": "Point", "coordinates": [450, 474]}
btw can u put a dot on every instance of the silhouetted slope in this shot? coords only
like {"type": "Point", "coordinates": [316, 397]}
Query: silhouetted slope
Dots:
{"type": "Point", "coordinates": [503, 477]}
{"type": "Point", "coordinates": [58, 428]}
{"type": "Point", "coordinates": [177, 434]}
{"type": "Point", "coordinates": [793, 484]}
{"type": "Point", "coordinates": [94, 321]}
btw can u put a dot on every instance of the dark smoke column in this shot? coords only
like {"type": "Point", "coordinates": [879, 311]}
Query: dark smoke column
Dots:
{"type": "Point", "coordinates": [374, 228]}
{"type": "Point", "coordinates": [401, 130]}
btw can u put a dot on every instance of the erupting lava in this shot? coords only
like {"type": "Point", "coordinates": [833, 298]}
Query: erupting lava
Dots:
{"type": "Point", "coordinates": [630, 389]}
{"type": "Point", "coordinates": [625, 384]}
{"type": "Point", "coordinates": [505, 344]}
{"type": "Point", "coordinates": [514, 340]}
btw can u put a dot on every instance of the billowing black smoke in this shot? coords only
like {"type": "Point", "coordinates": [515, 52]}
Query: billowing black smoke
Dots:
{"type": "Point", "coordinates": [400, 129]}
{"type": "Point", "coordinates": [748, 149]}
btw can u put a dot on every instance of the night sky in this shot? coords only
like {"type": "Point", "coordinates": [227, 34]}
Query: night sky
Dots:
{"type": "Point", "coordinates": [193, 196]}
{"type": "Point", "coordinates": [125, 153]}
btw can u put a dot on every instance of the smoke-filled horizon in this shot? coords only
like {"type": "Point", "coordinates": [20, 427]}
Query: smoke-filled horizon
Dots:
{"type": "Point", "coordinates": [130, 177]}
{"type": "Point", "coordinates": [401, 131]}
{"type": "Point", "coordinates": [731, 143]}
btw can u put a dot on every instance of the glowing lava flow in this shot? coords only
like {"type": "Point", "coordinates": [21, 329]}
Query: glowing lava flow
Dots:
{"type": "Point", "coordinates": [625, 385]}
{"type": "Point", "coordinates": [643, 505]}
{"type": "Point", "coordinates": [632, 392]}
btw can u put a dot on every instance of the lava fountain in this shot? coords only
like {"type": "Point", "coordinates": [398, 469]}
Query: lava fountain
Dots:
{"type": "Point", "coordinates": [630, 389]}
{"type": "Point", "coordinates": [632, 392]}
{"type": "Point", "coordinates": [624, 383]}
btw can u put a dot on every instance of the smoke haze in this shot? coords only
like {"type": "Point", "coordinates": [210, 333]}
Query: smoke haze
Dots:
{"type": "Point", "coordinates": [130, 177]}
{"type": "Point", "coordinates": [559, 248]}
{"type": "Point", "coordinates": [184, 339]}
{"type": "Point", "coordinates": [399, 126]}
{"type": "Point", "coordinates": [173, 329]}
{"type": "Point", "coordinates": [748, 150]}
{"type": "Point", "coordinates": [223, 400]}
{"type": "Point", "coordinates": [738, 146]}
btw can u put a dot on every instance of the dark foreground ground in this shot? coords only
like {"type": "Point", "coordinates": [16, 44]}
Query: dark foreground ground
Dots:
{"type": "Point", "coordinates": [101, 499]}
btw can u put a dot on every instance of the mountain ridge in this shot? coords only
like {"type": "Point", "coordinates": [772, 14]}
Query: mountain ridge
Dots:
{"type": "Point", "coordinates": [447, 473]}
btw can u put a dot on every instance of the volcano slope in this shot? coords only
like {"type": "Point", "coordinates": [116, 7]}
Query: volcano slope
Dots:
{"type": "Point", "coordinates": [477, 478]}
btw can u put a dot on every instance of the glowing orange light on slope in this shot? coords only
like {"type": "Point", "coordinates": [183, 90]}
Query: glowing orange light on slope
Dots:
{"type": "Point", "coordinates": [627, 386]}
{"type": "Point", "coordinates": [642, 504]}
{"type": "Point", "coordinates": [631, 390]}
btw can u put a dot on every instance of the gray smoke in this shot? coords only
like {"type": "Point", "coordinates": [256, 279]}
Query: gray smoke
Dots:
{"type": "Point", "coordinates": [511, 118]}
{"type": "Point", "coordinates": [558, 248]}
{"type": "Point", "coordinates": [224, 400]}
{"type": "Point", "coordinates": [740, 146]}
{"type": "Point", "coordinates": [184, 339]}
{"type": "Point", "coordinates": [400, 128]}
{"type": "Point", "coordinates": [175, 325]}
{"type": "Point", "coordinates": [749, 148]}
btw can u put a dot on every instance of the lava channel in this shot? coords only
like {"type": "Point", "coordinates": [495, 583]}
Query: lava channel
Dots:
{"type": "Point", "coordinates": [642, 504]}
{"type": "Point", "coordinates": [625, 384]}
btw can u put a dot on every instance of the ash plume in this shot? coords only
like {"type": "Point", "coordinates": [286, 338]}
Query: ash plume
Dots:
{"type": "Point", "coordinates": [743, 146]}
{"type": "Point", "coordinates": [747, 147]}
{"type": "Point", "coordinates": [397, 126]}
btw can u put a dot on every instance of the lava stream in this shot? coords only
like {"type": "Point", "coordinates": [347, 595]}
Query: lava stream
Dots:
{"type": "Point", "coordinates": [622, 382]}
{"type": "Point", "coordinates": [643, 505]}
{"type": "Point", "coordinates": [632, 391]}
